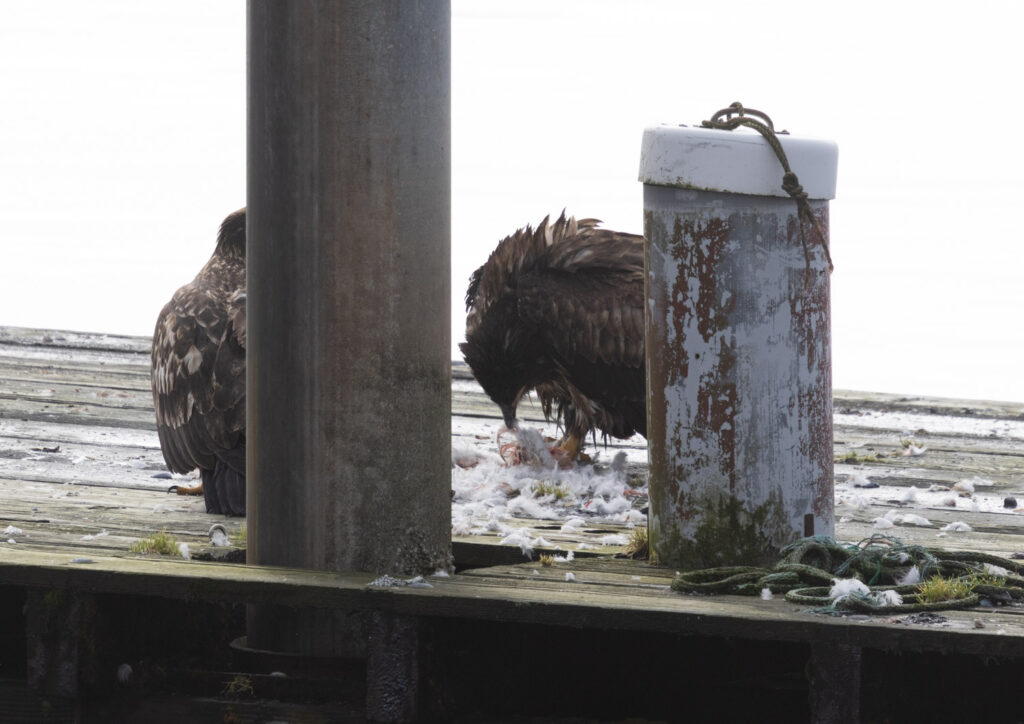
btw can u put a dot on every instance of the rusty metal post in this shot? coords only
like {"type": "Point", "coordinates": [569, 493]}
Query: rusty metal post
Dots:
{"type": "Point", "coordinates": [739, 383]}
{"type": "Point", "coordinates": [349, 392]}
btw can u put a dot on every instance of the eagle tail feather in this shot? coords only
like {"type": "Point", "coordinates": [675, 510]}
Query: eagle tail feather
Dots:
{"type": "Point", "coordinates": [224, 486]}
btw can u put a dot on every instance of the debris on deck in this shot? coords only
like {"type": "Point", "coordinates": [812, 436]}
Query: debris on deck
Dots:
{"type": "Point", "coordinates": [82, 480]}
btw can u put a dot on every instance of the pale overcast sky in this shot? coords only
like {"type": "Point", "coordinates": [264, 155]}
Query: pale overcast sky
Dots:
{"type": "Point", "coordinates": [122, 147]}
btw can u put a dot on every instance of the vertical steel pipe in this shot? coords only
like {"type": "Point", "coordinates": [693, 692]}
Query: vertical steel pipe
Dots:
{"type": "Point", "coordinates": [738, 347]}
{"type": "Point", "coordinates": [349, 393]}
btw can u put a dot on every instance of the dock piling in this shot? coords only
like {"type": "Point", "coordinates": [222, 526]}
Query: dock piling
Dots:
{"type": "Point", "coordinates": [349, 408]}
{"type": "Point", "coordinates": [738, 347]}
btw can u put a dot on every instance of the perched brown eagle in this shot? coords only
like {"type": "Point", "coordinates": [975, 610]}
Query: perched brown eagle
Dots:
{"type": "Point", "coordinates": [198, 374]}
{"type": "Point", "coordinates": [560, 310]}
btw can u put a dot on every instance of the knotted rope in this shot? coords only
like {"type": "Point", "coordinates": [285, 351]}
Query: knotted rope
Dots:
{"type": "Point", "coordinates": [808, 566]}
{"type": "Point", "coordinates": [734, 117]}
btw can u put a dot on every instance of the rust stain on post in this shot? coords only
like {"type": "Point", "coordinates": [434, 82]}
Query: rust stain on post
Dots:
{"type": "Point", "coordinates": [739, 378]}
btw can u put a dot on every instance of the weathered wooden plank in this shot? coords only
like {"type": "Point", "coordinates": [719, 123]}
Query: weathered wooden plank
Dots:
{"type": "Point", "coordinates": [936, 406]}
{"type": "Point", "coordinates": [66, 339]}
{"type": "Point", "coordinates": [577, 604]}
{"type": "Point", "coordinates": [109, 376]}
{"type": "Point", "coordinates": [70, 393]}
{"type": "Point", "coordinates": [25, 434]}
{"type": "Point", "coordinates": [94, 413]}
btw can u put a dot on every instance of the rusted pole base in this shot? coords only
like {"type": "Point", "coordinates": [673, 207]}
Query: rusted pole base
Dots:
{"type": "Point", "coordinates": [835, 671]}
{"type": "Point", "coordinates": [58, 626]}
{"type": "Point", "coordinates": [394, 685]}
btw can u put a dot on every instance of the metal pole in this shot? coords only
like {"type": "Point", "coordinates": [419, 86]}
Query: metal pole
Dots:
{"type": "Point", "coordinates": [349, 393]}
{"type": "Point", "coordinates": [738, 347]}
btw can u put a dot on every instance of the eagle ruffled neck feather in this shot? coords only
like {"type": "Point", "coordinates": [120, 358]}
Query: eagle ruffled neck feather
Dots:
{"type": "Point", "coordinates": [231, 237]}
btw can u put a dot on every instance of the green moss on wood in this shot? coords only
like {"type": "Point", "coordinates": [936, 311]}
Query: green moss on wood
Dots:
{"type": "Point", "coordinates": [729, 533]}
{"type": "Point", "coordinates": [160, 542]}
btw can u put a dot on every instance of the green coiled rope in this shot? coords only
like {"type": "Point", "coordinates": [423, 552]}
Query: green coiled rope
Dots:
{"type": "Point", "coordinates": [807, 568]}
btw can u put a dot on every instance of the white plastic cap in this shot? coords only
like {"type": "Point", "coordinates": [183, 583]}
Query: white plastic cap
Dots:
{"type": "Point", "coordinates": [739, 162]}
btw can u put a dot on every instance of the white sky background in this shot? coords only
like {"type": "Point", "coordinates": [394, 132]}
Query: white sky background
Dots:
{"type": "Point", "coordinates": [122, 147]}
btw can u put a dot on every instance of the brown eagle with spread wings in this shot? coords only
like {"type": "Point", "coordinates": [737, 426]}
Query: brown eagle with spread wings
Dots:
{"type": "Point", "coordinates": [560, 310]}
{"type": "Point", "coordinates": [198, 374]}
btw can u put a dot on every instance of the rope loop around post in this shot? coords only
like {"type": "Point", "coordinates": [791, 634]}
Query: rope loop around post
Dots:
{"type": "Point", "coordinates": [735, 115]}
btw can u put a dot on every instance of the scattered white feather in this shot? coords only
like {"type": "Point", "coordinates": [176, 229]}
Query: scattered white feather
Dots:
{"type": "Point", "coordinates": [162, 508]}
{"type": "Point", "coordinates": [608, 508]}
{"type": "Point", "coordinates": [386, 581]}
{"type": "Point", "coordinates": [888, 598]}
{"type": "Point", "coordinates": [996, 570]}
{"type": "Point", "coordinates": [964, 486]}
{"type": "Point", "coordinates": [633, 518]}
{"type": "Point", "coordinates": [613, 539]}
{"type": "Point", "coordinates": [843, 587]}
{"type": "Point", "coordinates": [582, 546]}
{"type": "Point", "coordinates": [520, 537]}
{"type": "Point", "coordinates": [465, 456]}
{"type": "Point", "coordinates": [441, 573]}
{"type": "Point", "coordinates": [573, 524]}
{"type": "Point", "coordinates": [488, 497]}
{"type": "Point", "coordinates": [909, 495]}
{"type": "Point", "coordinates": [183, 550]}
{"type": "Point", "coordinates": [912, 519]}
{"type": "Point", "coordinates": [11, 540]}
{"type": "Point", "coordinates": [570, 576]}
{"type": "Point", "coordinates": [957, 526]}
{"type": "Point", "coordinates": [913, 450]}
{"type": "Point", "coordinates": [948, 500]}
{"type": "Point", "coordinates": [567, 558]}
{"type": "Point", "coordinates": [461, 525]}
{"type": "Point", "coordinates": [766, 594]}
{"type": "Point", "coordinates": [124, 673]}
{"type": "Point", "coordinates": [525, 506]}
{"type": "Point", "coordinates": [911, 578]}
{"type": "Point", "coordinates": [883, 524]}
{"type": "Point", "coordinates": [533, 450]}
{"type": "Point", "coordinates": [11, 530]}
{"type": "Point", "coordinates": [859, 480]}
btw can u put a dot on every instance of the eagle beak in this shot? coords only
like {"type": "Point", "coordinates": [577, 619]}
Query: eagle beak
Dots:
{"type": "Point", "coordinates": [509, 413]}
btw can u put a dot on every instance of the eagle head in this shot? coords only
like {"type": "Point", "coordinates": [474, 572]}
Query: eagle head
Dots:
{"type": "Point", "coordinates": [504, 378]}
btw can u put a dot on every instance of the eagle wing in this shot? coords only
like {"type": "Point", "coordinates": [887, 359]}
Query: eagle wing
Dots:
{"type": "Point", "coordinates": [591, 309]}
{"type": "Point", "coordinates": [198, 374]}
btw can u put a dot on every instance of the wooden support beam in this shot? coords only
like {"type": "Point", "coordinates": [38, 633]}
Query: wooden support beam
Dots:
{"type": "Point", "coordinates": [835, 672]}
{"type": "Point", "coordinates": [349, 408]}
{"type": "Point", "coordinates": [58, 631]}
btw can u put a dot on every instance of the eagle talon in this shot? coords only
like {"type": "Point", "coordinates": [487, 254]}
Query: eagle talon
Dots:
{"type": "Point", "coordinates": [186, 489]}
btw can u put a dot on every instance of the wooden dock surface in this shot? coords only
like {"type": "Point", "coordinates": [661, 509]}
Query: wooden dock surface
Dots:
{"type": "Point", "coordinates": [81, 468]}
{"type": "Point", "coordinates": [82, 478]}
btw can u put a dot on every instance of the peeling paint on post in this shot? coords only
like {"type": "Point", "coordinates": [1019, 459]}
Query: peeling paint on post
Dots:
{"type": "Point", "coordinates": [739, 381]}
